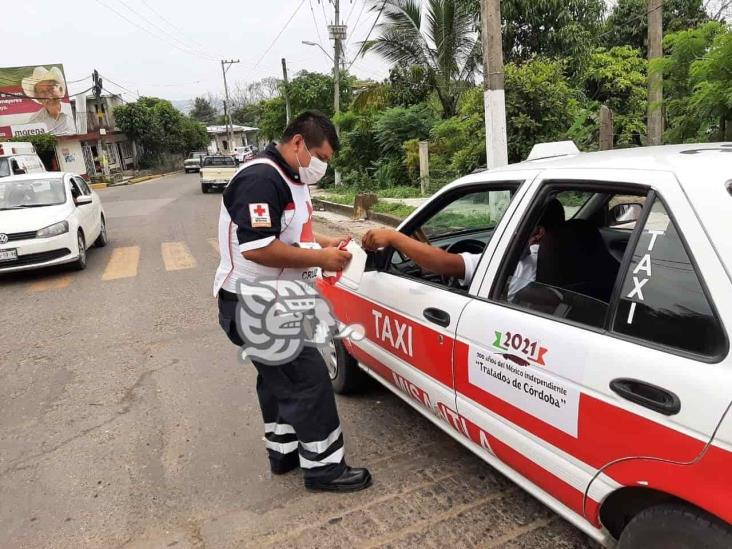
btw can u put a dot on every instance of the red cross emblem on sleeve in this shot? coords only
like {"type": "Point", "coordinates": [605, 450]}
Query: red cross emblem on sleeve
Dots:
{"type": "Point", "coordinates": [259, 214]}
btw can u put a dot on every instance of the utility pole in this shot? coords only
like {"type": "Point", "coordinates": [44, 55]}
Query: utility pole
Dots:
{"type": "Point", "coordinates": [655, 77]}
{"type": "Point", "coordinates": [496, 141]}
{"type": "Point", "coordinates": [337, 33]}
{"type": "Point", "coordinates": [287, 91]}
{"type": "Point", "coordinates": [225, 66]}
{"type": "Point", "coordinates": [97, 91]}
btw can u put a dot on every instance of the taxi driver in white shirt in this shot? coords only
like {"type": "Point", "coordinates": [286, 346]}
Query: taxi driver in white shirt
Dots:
{"type": "Point", "coordinates": [462, 266]}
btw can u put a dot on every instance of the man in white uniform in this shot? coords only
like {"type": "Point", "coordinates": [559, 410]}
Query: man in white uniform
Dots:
{"type": "Point", "coordinates": [462, 266]}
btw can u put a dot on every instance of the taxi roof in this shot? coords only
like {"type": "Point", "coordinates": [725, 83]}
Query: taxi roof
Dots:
{"type": "Point", "coordinates": [709, 157]}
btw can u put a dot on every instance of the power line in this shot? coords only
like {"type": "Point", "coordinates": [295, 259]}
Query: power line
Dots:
{"type": "Point", "coordinates": [164, 31]}
{"type": "Point", "coordinates": [282, 30]}
{"type": "Point", "coordinates": [119, 85]}
{"type": "Point", "coordinates": [315, 22]}
{"type": "Point", "coordinates": [322, 6]}
{"type": "Point", "coordinates": [201, 46]}
{"type": "Point", "coordinates": [144, 29]}
{"type": "Point", "coordinates": [363, 44]}
{"type": "Point", "coordinates": [360, 13]}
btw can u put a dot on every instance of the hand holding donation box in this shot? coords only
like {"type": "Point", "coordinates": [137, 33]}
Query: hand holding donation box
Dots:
{"type": "Point", "coordinates": [352, 274]}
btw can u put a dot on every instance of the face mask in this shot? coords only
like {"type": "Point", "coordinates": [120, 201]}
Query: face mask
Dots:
{"type": "Point", "coordinates": [314, 172]}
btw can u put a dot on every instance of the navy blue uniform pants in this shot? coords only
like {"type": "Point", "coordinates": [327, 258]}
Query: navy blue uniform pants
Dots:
{"type": "Point", "coordinates": [298, 406]}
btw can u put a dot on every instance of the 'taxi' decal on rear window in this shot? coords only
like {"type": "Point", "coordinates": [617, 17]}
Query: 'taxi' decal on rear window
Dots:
{"type": "Point", "coordinates": [511, 343]}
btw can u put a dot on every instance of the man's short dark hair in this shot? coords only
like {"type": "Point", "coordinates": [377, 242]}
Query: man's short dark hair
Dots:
{"type": "Point", "coordinates": [315, 127]}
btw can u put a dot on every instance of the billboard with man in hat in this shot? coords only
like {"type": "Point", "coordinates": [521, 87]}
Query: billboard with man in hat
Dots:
{"type": "Point", "coordinates": [34, 100]}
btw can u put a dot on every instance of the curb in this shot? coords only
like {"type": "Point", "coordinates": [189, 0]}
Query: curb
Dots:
{"type": "Point", "coordinates": [347, 211]}
{"type": "Point", "coordinates": [98, 186]}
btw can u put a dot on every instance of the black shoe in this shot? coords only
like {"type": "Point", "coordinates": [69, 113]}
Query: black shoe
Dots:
{"type": "Point", "coordinates": [352, 479]}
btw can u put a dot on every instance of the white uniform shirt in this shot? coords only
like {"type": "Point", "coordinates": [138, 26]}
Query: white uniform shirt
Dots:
{"type": "Point", "coordinates": [262, 204]}
{"type": "Point", "coordinates": [524, 274]}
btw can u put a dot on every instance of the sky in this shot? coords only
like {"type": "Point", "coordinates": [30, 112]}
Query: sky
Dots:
{"type": "Point", "coordinates": [173, 48]}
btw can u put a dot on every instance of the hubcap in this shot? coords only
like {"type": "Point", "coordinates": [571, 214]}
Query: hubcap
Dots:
{"type": "Point", "coordinates": [82, 251]}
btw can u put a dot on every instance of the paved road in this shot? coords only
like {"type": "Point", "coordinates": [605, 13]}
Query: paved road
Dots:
{"type": "Point", "coordinates": [126, 421]}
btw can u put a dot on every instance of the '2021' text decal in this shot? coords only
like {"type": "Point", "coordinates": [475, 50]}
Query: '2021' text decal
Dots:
{"type": "Point", "coordinates": [529, 349]}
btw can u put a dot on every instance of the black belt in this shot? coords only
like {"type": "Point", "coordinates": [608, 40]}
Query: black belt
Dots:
{"type": "Point", "coordinates": [227, 296]}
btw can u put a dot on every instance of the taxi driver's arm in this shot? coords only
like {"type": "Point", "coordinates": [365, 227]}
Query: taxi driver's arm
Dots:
{"type": "Point", "coordinates": [430, 258]}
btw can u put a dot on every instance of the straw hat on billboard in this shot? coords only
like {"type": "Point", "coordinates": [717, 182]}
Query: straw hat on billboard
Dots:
{"type": "Point", "coordinates": [41, 74]}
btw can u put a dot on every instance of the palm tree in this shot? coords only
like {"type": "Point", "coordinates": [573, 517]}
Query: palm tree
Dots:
{"type": "Point", "coordinates": [444, 40]}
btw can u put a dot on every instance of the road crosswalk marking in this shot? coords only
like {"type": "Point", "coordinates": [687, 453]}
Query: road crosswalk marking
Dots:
{"type": "Point", "coordinates": [177, 256]}
{"type": "Point", "coordinates": [56, 282]}
{"type": "Point", "coordinates": [123, 263]}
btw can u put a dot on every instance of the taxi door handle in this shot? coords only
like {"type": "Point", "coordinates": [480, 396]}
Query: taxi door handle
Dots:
{"type": "Point", "coordinates": [645, 394]}
{"type": "Point", "coordinates": [437, 316]}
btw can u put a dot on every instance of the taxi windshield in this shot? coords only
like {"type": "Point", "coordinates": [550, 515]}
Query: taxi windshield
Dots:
{"type": "Point", "coordinates": [31, 193]}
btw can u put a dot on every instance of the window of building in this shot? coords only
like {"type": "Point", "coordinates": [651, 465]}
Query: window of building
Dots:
{"type": "Point", "coordinates": [663, 300]}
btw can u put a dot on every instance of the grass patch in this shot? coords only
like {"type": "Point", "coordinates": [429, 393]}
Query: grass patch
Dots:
{"type": "Point", "coordinates": [340, 198]}
{"type": "Point", "coordinates": [397, 209]}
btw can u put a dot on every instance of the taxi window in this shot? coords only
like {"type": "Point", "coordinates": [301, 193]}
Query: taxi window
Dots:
{"type": "Point", "coordinates": [565, 261]}
{"type": "Point", "coordinates": [663, 300]}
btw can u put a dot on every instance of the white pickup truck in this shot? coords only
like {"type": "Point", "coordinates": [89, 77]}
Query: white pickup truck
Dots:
{"type": "Point", "coordinates": [216, 172]}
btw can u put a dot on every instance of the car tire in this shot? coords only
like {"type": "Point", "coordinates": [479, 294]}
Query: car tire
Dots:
{"type": "Point", "coordinates": [675, 527]}
{"type": "Point", "coordinates": [204, 188]}
{"type": "Point", "coordinates": [343, 370]}
{"type": "Point", "coordinates": [80, 263]}
{"type": "Point", "coordinates": [103, 238]}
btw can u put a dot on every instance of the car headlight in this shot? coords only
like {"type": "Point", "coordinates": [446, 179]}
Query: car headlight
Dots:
{"type": "Point", "coordinates": [53, 230]}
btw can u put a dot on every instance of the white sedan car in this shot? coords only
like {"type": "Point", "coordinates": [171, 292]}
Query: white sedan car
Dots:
{"type": "Point", "coordinates": [48, 219]}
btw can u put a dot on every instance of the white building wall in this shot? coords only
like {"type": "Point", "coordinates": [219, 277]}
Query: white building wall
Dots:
{"type": "Point", "coordinates": [70, 156]}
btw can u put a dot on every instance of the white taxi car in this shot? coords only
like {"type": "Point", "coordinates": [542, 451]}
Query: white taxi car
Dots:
{"type": "Point", "coordinates": [48, 219]}
{"type": "Point", "coordinates": [604, 386]}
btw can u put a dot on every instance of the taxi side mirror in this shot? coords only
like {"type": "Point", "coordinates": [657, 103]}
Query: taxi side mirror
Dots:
{"type": "Point", "coordinates": [621, 214]}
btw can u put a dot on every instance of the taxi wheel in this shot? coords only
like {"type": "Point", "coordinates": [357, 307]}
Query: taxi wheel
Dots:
{"type": "Point", "coordinates": [204, 188]}
{"type": "Point", "coordinates": [345, 375]}
{"type": "Point", "coordinates": [674, 527]}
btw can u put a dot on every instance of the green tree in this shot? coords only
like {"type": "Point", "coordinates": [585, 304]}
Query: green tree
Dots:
{"type": "Point", "coordinates": [627, 23]}
{"type": "Point", "coordinates": [616, 78]}
{"type": "Point", "coordinates": [409, 85]}
{"type": "Point", "coordinates": [698, 83]}
{"type": "Point", "coordinates": [541, 105]}
{"type": "Point", "coordinates": [45, 145]}
{"type": "Point", "coordinates": [159, 127]}
{"type": "Point", "coordinates": [203, 110]}
{"type": "Point", "coordinates": [549, 28]}
{"type": "Point", "coordinates": [445, 43]}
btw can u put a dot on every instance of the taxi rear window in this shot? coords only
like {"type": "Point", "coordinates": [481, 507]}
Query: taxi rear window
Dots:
{"type": "Point", "coordinates": [219, 161]}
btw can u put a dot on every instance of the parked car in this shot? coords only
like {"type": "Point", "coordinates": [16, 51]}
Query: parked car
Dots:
{"type": "Point", "coordinates": [245, 153]}
{"type": "Point", "coordinates": [216, 172]}
{"type": "Point", "coordinates": [193, 162]}
{"type": "Point", "coordinates": [48, 219]}
{"type": "Point", "coordinates": [17, 158]}
{"type": "Point", "coordinates": [603, 387]}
